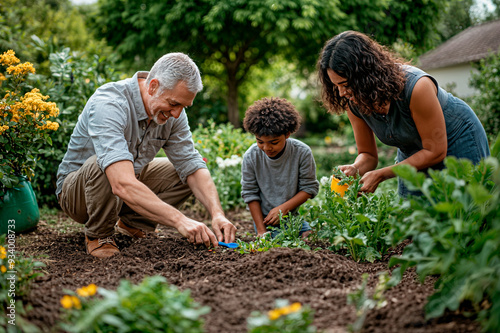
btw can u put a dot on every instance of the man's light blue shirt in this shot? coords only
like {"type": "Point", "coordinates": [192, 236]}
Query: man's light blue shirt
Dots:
{"type": "Point", "coordinates": [114, 126]}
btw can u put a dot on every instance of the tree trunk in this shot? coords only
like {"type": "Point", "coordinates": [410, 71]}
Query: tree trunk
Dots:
{"type": "Point", "coordinates": [232, 99]}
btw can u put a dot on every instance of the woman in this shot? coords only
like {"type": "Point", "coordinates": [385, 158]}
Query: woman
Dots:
{"type": "Point", "coordinates": [400, 104]}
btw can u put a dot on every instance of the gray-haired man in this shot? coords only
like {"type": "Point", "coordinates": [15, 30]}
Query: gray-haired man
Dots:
{"type": "Point", "coordinates": [110, 179]}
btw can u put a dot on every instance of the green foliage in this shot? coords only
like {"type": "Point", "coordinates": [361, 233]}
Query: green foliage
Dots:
{"type": "Point", "coordinates": [364, 303]}
{"type": "Point", "coordinates": [222, 147]}
{"type": "Point", "coordinates": [230, 37]}
{"type": "Point", "coordinates": [284, 318]}
{"type": "Point", "coordinates": [287, 235]}
{"type": "Point", "coordinates": [487, 102]}
{"type": "Point", "coordinates": [57, 21]}
{"type": "Point", "coordinates": [74, 77]}
{"type": "Point", "coordinates": [151, 306]}
{"type": "Point", "coordinates": [358, 223]}
{"type": "Point", "coordinates": [455, 233]}
{"type": "Point", "coordinates": [17, 273]}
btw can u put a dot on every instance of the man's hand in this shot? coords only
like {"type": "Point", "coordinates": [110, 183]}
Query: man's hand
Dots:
{"type": "Point", "coordinates": [224, 230]}
{"type": "Point", "coordinates": [197, 233]}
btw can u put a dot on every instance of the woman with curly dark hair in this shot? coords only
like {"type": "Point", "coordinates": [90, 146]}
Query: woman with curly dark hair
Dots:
{"type": "Point", "coordinates": [400, 104]}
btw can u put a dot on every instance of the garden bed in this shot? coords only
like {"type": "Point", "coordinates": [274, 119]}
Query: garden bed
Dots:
{"type": "Point", "coordinates": [232, 284]}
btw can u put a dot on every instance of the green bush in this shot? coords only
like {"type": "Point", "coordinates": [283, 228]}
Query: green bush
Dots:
{"type": "Point", "coordinates": [151, 306]}
{"type": "Point", "coordinates": [74, 78]}
{"type": "Point", "coordinates": [222, 146]}
{"type": "Point", "coordinates": [455, 233]}
{"type": "Point", "coordinates": [487, 102]}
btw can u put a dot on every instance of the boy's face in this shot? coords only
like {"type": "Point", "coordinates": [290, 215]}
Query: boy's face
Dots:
{"type": "Point", "coordinates": [272, 145]}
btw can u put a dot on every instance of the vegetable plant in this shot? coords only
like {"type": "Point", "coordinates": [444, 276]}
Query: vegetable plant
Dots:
{"type": "Point", "coordinates": [455, 231]}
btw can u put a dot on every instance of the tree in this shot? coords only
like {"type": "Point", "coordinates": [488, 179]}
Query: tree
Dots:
{"type": "Point", "coordinates": [228, 37]}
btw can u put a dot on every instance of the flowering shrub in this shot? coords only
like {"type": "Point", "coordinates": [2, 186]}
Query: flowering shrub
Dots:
{"type": "Point", "coordinates": [284, 318]}
{"type": "Point", "coordinates": [151, 306]}
{"type": "Point", "coordinates": [222, 147]}
{"type": "Point", "coordinates": [25, 120]}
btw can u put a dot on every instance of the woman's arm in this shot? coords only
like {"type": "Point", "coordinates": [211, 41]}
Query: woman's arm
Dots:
{"type": "Point", "coordinates": [367, 158]}
{"type": "Point", "coordinates": [429, 119]}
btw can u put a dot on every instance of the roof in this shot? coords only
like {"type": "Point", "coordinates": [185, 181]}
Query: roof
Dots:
{"type": "Point", "coordinates": [472, 44]}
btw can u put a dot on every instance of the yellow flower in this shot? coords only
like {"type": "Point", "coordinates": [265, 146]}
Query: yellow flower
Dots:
{"type": "Point", "coordinates": [76, 302]}
{"type": "Point", "coordinates": [3, 252]}
{"type": "Point", "coordinates": [67, 302]}
{"type": "Point", "coordinates": [92, 289]}
{"type": "Point", "coordinates": [21, 69]}
{"type": "Point", "coordinates": [3, 128]}
{"type": "Point", "coordinates": [274, 314]}
{"type": "Point", "coordinates": [286, 310]}
{"type": "Point", "coordinates": [3, 269]}
{"type": "Point", "coordinates": [9, 58]}
{"type": "Point", "coordinates": [87, 291]}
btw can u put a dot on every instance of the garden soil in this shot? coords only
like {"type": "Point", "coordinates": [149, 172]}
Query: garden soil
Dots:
{"type": "Point", "coordinates": [231, 284]}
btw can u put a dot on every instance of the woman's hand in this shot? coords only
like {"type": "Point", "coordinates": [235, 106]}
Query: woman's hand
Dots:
{"type": "Point", "coordinates": [349, 170]}
{"type": "Point", "coordinates": [370, 181]}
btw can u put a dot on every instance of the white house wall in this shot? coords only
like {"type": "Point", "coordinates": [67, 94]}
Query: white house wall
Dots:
{"type": "Point", "coordinates": [459, 74]}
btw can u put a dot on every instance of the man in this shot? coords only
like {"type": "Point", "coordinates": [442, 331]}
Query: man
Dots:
{"type": "Point", "coordinates": [109, 178]}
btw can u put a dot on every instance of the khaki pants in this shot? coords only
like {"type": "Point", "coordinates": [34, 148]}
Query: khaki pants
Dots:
{"type": "Point", "coordinates": [87, 197]}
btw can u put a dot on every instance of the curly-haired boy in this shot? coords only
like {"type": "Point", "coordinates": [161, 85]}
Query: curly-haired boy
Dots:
{"type": "Point", "coordinates": [278, 172]}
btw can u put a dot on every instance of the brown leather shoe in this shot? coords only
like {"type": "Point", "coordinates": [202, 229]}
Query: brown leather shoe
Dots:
{"type": "Point", "coordinates": [101, 247]}
{"type": "Point", "coordinates": [129, 231]}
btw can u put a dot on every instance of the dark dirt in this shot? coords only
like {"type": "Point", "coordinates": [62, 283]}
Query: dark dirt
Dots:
{"type": "Point", "coordinates": [232, 284]}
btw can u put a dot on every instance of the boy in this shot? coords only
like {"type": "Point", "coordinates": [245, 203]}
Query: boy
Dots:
{"type": "Point", "coordinates": [278, 173]}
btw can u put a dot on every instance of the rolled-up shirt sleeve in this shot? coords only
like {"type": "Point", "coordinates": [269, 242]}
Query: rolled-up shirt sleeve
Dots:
{"type": "Point", "coordinates": [250, 190]}
{"type": "Point", "coordinates": [106, 129]}
{"type": "Point", "coordinates": [307, 174]}
{"type": "Point", "coordinates": [180, 149]}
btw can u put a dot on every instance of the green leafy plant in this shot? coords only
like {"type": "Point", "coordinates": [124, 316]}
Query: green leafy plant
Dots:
{"type": "Point", "coordinates": [222, 147]}
{"type": "Point", "coordinates": [288, 235]}
{"type": "Point", "coordinates": [284, 318]}
{"type": "Point", "coordinates": [455, 231]}
{"type": "Point", "coordinates": [151, 306]}
{"type": "Point", "coordinates": [365, 303]}
{"type": "Point", "coordinates": [17, 273]}
{"type": "Point", "coordinates": [26, 119]}
{"type": "Point", "coordinates": [357, 223]}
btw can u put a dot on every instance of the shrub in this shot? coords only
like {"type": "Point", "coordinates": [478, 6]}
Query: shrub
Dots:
{"type": "Point", "coordinates": [74, 78]}
{"type": "Point", "coordinates": [487, 102]}
{"type": "Point", "coordinates": [222, 147]}
{"type": "Point", "coordinates": [25, 121]}
{"type": "Point", "coordinates": [151, 306]}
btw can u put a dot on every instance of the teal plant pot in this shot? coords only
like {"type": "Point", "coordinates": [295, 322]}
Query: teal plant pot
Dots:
{"type": "Point", "coordinates": [18, 208]}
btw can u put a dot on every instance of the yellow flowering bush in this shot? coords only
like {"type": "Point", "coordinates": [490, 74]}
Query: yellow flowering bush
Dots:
{"type": "Point", "coordinates": [26, 118]}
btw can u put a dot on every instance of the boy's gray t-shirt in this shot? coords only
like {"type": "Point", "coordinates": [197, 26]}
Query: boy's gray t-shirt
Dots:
{"type": "Point", "coordinates": [275, 181]}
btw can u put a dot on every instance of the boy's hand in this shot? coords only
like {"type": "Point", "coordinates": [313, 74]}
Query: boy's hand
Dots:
{"type": "Point", "coordinates": [273, 218]}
